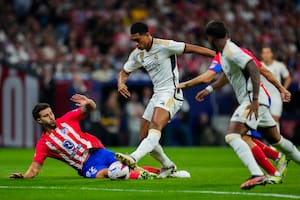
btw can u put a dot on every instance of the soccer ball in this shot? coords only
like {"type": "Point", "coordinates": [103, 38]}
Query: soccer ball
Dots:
{"type": "Point", "coordinates": [118, 171]}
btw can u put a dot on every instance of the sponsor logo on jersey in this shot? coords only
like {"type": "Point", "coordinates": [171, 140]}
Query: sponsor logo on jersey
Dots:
{"type": "Point", "coordinates": [68, 144]}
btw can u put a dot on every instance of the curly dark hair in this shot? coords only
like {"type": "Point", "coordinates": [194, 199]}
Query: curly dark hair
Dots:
{"type": "Point", "coordinates": [216, 29]}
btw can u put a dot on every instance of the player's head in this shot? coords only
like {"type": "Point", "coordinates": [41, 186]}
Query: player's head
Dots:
{"type": "Point", "coordinates": [42, 113]}
{"type": "Point", "coordinates": [140, 34]}
{"type": "Point", "coordinates": [215, 30]}
{"type": "Point", "coordinates": [266, 54]}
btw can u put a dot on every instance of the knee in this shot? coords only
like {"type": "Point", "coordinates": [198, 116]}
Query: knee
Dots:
{"type": "Point", "coordinates": [231, 136]}
{"type": "Point", "coordinates": [156, 125]}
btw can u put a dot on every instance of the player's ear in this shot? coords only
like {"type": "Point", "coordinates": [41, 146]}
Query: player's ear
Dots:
{"type": "Point", "coordinates": [38, 120]}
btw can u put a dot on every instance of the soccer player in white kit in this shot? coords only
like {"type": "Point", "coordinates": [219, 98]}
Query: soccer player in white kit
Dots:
{"type": "Point", "coordinates": [253, 112]}
{"type": "Point", "coordinates": [280, 71]}
{"type": "Point", "coordinates": [158, 58]}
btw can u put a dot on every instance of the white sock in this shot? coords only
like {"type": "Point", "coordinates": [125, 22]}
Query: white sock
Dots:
{"type": "Point", "coordinates": [147, 145]}
{"type": "Point", "coordinates": [159, 154]}
{"type": "Point", "coordinates": [288, 149]}
{"type": "Point", "coordinates": [277, 173]}
{"type": "Point", "coordinates": [243, 151]}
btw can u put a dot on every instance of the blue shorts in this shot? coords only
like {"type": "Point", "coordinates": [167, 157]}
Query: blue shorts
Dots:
{"type": "Point", "coordinates": [255, 134]}
{"type": "Point", "coordinates": [99, 159]}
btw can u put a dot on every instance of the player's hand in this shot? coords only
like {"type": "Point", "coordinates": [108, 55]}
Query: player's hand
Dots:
{"type": "Point", "coordinates": [80, 100]}
{"type": "Point", "coordinates": [253, 108]}
{"type": "Point", "coordinates": [286, 95]}
{"type": "Point", "coordinates": [123, 90]}
{"type": "Point", "coordinates": [182, 85]}
{"type": "Point", "coordinates": [200, 95]}
{"type": "Point", "coordinates": [16, 175]}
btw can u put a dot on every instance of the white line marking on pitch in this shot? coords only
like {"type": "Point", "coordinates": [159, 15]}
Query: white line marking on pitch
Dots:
{"type": "Point", "coordinates": [158, 191]}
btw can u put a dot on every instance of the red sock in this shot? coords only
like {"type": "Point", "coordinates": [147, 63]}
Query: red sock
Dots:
{"type": "Point", "coordinates": [134, 175]}
{"type": "Point", "coordinates": [262, 160]}
{"type": "Point", "coordinates": [151, 169]}
{"type": "Point", "coordinates": [269, 152]}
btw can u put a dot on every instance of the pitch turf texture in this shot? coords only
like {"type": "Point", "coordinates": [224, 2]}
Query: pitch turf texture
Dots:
{"type": "Point", "coordinates": [216, 174]}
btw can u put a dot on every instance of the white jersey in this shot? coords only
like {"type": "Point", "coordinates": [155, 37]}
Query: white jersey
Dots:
{"type": "Point", "coordinates": [280, 71]}
{"type": "Point", "coordinates": [233, 61]}
{"type": "Point", "coordinates": [161, 64]}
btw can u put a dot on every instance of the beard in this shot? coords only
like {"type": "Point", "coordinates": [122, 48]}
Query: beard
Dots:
{"type": "Point", "coordinates": [50, 125]}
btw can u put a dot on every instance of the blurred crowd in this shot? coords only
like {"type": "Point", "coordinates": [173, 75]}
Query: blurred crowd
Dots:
{"type": "Point", "coordinates": [57, 39]}
{"type": "Point", "coordinates": [91, 36]}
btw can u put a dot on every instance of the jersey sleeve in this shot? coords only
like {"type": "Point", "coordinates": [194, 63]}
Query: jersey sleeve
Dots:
{"type": "Point", "coordinates": [41, 153]}
{"type": "Point", "coordinates": [284, 72]}
{"type": "Point", "coordinates": [215, 64]}
{"type": "Point", "coordinates": [131, 64]}
{"type": "Point", "coordinates": [255, 60]}
{"type": "Point", "coordinates": [73, 115]}
{"type": "Point", "coordinates": [175, 47]}
{"type": "Point", "coordinates": [237, 55]}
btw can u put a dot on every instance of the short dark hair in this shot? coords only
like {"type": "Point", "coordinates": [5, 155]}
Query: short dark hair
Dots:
{"type": "Point", "coordinates": [37, 109]}
{"type": "Point", "coordinates": [216, 29]}
{"type": "Point", "coordinates": [139, 27]}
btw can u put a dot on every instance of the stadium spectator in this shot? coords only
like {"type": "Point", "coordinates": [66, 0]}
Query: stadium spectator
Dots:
{"type": "Point", "coordinates": [281, 73]}
{"type": "Point", "coordinates": [110, 120]}
{"type": "Point", "coordinates": [134, 111]}
{"type": "Point", "coordinates": [178, 132]}
{"type": "Point", "coordinates": [47, 90]}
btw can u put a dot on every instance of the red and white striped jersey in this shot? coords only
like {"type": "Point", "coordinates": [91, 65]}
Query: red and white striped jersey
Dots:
{"type": "Point", "coordinates": [67, 142]}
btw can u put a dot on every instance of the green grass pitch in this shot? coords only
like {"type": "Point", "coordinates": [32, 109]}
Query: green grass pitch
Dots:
{"type": "Point", "coordinates": [216, 174]}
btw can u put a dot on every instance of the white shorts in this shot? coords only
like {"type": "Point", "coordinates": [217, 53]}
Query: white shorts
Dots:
{"type": "Point", "coordinates": [276, 106]}
{"type": "Point", "coordinates": [165, 101]}
{"type": "Point", "coordinates": [265, 118]}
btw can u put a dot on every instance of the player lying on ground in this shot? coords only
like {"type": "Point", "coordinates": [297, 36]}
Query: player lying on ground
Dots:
{"type": "Point", "coordinates": [241, 71]}
{"type": "Point", "coordinates": [62, 139]}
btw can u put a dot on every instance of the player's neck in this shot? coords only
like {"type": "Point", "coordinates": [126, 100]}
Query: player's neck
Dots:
{"type": "Point", "coordinates": [220, 44]}
{"type": "Point", "coordinates": [150, 45]}
{"type": "Point", "coordinates": [47, 130]}
{"type": "Point", "coordinates": [268, 62]}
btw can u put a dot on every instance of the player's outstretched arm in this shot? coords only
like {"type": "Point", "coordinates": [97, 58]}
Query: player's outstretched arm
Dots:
{"type": "Point", "coordinates": [221, 81]}
{"type": "Point", "coordinates": [87, 105]}
{"type": "Point", "coordinates": [206, 77]}
{"type": "Point", "coordinates": [122, 87]}
{"type": "Point", "coordinates": [189, 48]}
{"type": "Point", "coordinates": [32, 171]}
{"type": "Point", "coordinates": [285, 94]}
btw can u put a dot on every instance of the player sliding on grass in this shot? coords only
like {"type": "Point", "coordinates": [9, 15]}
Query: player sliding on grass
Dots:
{"type": "Point", "coordinates": [63, 139]}
{"type": "Point", "coordinates": [253, 112]}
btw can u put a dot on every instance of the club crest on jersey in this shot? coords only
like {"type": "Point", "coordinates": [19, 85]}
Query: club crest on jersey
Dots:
{"type": "Point", "coordinates": [142, 56]}
{"type": "Point", "coordinates": [64, 130]}
{"type": "Point", "coordinates": [68, 144]}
